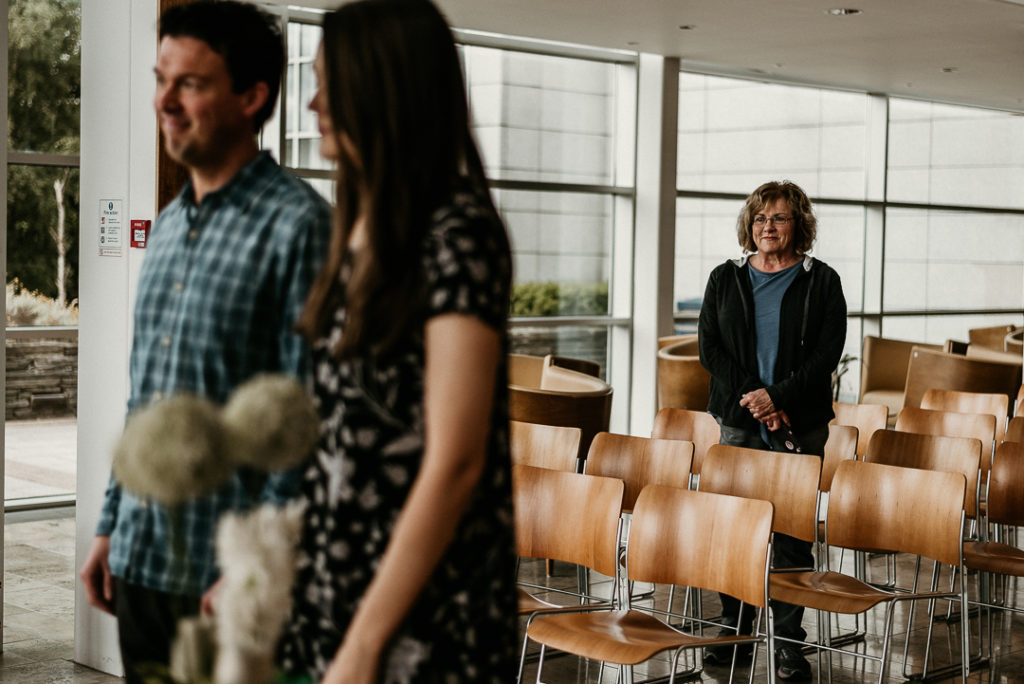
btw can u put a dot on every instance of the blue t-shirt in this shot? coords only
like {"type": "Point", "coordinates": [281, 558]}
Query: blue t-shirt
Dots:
{"type": "Point", "coordinates": [769, 288]}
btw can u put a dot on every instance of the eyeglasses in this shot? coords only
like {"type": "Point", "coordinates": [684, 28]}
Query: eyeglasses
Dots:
{"type": "Point", "coordinates": [778, 220]}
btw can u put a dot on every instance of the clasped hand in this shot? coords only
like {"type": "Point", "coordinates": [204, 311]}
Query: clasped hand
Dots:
{"type": "Point", "coordinates": [761, 407]}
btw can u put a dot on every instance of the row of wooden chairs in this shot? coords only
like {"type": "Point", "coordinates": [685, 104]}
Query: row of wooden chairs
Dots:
{"type": "Point", "coordinates": [893, 511]}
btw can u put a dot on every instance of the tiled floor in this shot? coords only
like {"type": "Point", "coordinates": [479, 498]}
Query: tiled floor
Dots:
{"type": "Point", "coordinates": [39, 604]}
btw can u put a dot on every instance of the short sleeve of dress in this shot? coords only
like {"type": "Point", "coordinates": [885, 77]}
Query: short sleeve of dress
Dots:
{"type": "Point", "coordinates": [467, 266]}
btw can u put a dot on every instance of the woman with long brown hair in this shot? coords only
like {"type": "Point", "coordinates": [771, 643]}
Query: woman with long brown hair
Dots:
{"type": "Point", "coordinates": [407, 556]}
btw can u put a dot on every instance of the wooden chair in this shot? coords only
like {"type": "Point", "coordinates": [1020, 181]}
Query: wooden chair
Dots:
{"type": "Point", "coordinates": [569, 517]}
{"type": "Point", "coordinates": [544, 446]}
{"type": "Point", "coordinates": [679, 537]}
{"type": "Point", "coordinates": [541, 393]}
{"type": "Point", "coordinates": [1017, 401]}
{"type": "Point", "coordinates": [979, 426]}
{"type": "Point", "coordinates": [865, 417]}
{"type": "Point", "coordinates": [873, 506]}
{"type": "Point", "coordinates": [1005, 507]}
{"type": "Point", "coordinates": [991, 337]}
{"type": "Point", "coordinates": [1015, 430]}
{"type": "Point", "coordinates": [938, 452]}
{"type": "Point", "coordinates": [996, 405]}
{"type": "Point", "coordinates": [682, 381]}
{"type": "Point", "coordinates": [1014, 342]}
{"type": "Point", "coordinates": [883, 372]}
{"type": "Point", "coordinates": [640, 461]}
{"type": "Point", "coordinates": [936, 370]}
{"type": "Point", "coordinates": [695, 426]}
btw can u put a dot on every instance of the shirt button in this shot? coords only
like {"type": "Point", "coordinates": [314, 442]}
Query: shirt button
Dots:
{"type": "Point", "coordinates": [178, 287]}
{"type": "Point", "coordinates": [193, 234]}
{"type": "Point", "coordinates": [166, 341]}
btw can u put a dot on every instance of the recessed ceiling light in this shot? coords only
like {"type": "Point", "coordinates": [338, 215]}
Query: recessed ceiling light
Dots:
{"type": "Point", "coordinates": [949, 70]}
{"type": "Point", "coordinates": [843, 11]}
{"type": "Point", "coordinates": [686, 27]}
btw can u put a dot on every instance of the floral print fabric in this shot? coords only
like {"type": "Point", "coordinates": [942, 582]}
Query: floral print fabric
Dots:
{"type": "Point", "coordinates": [463, 626]}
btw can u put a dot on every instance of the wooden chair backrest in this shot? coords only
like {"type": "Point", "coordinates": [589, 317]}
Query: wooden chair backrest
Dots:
{"type": "Point", "coordinates": [865, 417]}
{"type": "Point", "coordinates": [996, 404]}
{"type": "Point", "coordinates": [936, 370]}
{"type": "Point", "coordinates": [640, 461]}
{"type": "Point", "coordinates": [889, 508]}
{"type": "Point", "coordinates": [682, 381]}
{"type": "Point", "coordinates": [979, 426]}
{"type": "Point", "coordinates": [544, 446]}
{"type": "Point", "coordinates": [884, 362]}
{"type": "Point", "coordinates": [1006, 485]}
{"type": "Point", "coordinates": [840, 446]}
{"type": "Point", "coordinates": [789, 481]}
{"type": "Point", "coordinates": [1015, 430]}
{"type": "Point", "coordinates": [991, 336]}
{"type": "Point", "coordinates": [525, 370]}
{"type": "Point", "coordinates": [930, 452]}
{"type": "Point", "coordinates": [696, 426]}
{"type": "Point", "coordinates": [697, 539]}
{"type": "Point", "coordinates": [569, 517]}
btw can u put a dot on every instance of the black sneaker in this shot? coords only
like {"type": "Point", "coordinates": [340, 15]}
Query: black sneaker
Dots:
{"type": "Point", "coordinates": [793, 667]}
{"type": "Point", "coordinates": [721, 654]}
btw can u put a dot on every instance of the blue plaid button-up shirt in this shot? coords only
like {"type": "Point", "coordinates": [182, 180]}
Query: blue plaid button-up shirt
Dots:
{"type": "Point", "coordinates": [222, 285]}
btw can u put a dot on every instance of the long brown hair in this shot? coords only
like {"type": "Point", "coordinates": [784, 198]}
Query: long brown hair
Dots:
{"type": "Point", "coordinates": [396, 95]}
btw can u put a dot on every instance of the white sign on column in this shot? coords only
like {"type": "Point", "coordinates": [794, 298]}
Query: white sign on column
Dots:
{"type": "Point", "coordinates": [110, 227]}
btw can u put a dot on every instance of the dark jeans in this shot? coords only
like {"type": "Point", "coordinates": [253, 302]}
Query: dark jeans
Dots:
{"type": "Point", "coordinates": [787, 552]}
{"type": "Point", "coordinates": [147, 621]}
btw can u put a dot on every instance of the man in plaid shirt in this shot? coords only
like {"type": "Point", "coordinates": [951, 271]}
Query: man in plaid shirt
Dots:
{"type": "Point", "coordinates": [226, 274]}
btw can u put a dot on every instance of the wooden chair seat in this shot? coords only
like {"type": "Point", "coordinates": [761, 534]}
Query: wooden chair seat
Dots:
{"type": "Point", "coordinates": [599, 636]}
{"type": "Point", "coordinates": [996, 557]}
{"type": "Point", "coordinates": [528, 603]}
{"type": "Point", "coordinates": [831, 591]}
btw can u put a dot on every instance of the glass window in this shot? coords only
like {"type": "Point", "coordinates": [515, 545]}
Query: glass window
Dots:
{"type": "Point", "coordinates": [590, 343]}
{"type": "Point", "coordinates": [44, 75]}
{"type": "Point", "coordinates": [942, 260]}
{"type": "Point", "coordinates": [944, 154]}
{"type": "Point", "coordinates": [561, 245]}
{"type": "Point", "coordinates": [938, 329]}
{"type": "Point", "coordinates": [544, 118]}
{"type": "Point", "coordinates": [735, 135]}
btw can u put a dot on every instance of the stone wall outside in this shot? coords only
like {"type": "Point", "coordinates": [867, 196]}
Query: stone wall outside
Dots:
{"type": "Point", "coordinates": [42, 376]}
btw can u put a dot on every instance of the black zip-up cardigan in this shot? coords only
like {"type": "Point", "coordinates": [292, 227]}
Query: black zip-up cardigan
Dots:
{"type": "Point", "coordinates": [812, 333]}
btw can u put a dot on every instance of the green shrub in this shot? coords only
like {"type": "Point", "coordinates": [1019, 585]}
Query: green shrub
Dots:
{"type": "Point", "coordinates": [559, 299]}
{"type": "Point", "coordinates": [27, 308]}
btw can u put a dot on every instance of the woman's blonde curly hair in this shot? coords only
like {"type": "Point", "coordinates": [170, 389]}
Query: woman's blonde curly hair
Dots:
{"type": "Point", "coordinates": [805, 225]}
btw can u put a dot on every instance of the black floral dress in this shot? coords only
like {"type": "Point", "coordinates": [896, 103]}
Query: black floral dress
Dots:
{"type": "Point", "coordinates": [462, 627]}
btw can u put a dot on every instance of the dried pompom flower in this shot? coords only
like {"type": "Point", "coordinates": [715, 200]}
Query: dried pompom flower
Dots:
{"type": "Point", "coordinates": [256, 555]}
{"type": "Point", "coordinates": [173, 450]}
{"type": "Point", "coordinates": [274, 422]}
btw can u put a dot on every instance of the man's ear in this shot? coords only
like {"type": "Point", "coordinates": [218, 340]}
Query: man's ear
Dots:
{"type": "Point", "coordinates": [254, 98]}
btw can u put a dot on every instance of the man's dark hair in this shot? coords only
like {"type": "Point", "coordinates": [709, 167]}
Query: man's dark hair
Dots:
{"type": "Point", "coordinates": [246, 37]}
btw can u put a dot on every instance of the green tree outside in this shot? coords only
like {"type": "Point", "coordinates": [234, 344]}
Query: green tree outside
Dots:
{"type": "Point", "coordinates": [44, 95]}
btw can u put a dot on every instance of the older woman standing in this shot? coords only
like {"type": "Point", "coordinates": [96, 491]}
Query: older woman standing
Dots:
{"type": "Point", "coordinates": [771, 331]}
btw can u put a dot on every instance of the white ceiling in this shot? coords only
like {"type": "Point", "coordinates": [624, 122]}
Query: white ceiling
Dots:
{"type": "Point", "coordinates": [966, 51]}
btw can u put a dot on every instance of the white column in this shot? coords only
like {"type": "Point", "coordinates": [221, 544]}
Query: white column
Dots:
{"type": "Point", "coordinates": [118, 162]}
{"type": "Point", "coordinates": [654, 242]}
{"type": "Point", "coordinates": [3, 305]}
